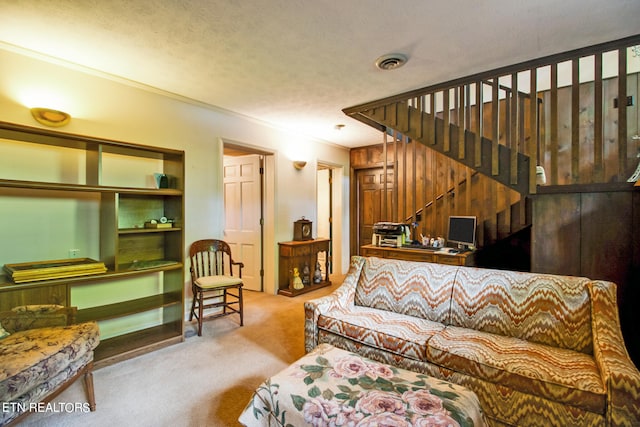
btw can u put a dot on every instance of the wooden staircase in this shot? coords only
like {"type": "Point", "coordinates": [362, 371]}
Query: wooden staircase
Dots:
{"type": "Point", "coordinates": [514, 219]}
{"type": "Point", "coordinates": [432, 131]}
{"type": "Point", "coordinates": [493, 227]}
{"type": "Point", "coordinates": [502, 125]}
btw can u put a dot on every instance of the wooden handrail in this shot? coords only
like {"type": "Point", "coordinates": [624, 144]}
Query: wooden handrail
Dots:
{"type": "Point", "coordinates": [525, 65]}
{"type": "Point", "coordinates": [530, 136]}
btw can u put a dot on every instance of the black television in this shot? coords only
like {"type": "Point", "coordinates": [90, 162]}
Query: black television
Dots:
{"type": "Point", "coordinates": [462, 230]}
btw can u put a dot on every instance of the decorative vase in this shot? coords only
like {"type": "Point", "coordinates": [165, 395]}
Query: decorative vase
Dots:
{"type": "Point", "coordinates": [317, 275]}
{"type": "Point", "coordinates": [306, 275]}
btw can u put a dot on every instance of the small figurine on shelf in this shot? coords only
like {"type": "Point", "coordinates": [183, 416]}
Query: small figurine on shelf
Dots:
{"type": "Point", "coordinates": [297, 282]}
{"type": "Point", "coordinates": [306, 275]}
{"type": "Point", "coordinates": [317, 275]}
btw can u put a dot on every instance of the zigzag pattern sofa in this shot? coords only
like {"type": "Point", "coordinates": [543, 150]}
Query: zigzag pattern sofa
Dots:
{"type": "Point", "coordinates": [538, 350]}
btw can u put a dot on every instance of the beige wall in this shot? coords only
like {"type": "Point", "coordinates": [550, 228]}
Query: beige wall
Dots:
{"type": "Point", "coordinates": [106, 107]}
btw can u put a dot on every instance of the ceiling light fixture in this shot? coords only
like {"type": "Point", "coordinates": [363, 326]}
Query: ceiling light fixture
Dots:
{"type": "Point", "coordinates": [391, 61]}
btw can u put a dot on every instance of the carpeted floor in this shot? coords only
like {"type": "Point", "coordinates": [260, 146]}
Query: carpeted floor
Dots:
{"type": "Point", "coordinates": [204, 381]}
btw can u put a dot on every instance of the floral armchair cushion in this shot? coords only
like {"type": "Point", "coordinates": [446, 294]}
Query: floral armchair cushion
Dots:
{"type": "Point", "coordinates": [3, 332]}
{"type": "Point", "coordinates": [45, 350]}
{"type": "Point", "coordinates": [26, 317]}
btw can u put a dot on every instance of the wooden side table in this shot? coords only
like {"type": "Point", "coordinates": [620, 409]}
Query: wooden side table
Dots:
{"type": "Point", "coordinates": [298, 254]}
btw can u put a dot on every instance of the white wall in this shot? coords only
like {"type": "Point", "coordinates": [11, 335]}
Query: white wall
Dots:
{"type": "Point", "coordinates": [105, 107]}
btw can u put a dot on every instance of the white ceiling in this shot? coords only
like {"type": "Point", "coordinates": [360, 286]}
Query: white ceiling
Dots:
{"type": "Point", "coordinates": [297, 63]}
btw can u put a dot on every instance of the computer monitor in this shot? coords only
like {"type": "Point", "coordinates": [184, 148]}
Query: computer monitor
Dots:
{"type": "Point", "coordinates": [462, 230]}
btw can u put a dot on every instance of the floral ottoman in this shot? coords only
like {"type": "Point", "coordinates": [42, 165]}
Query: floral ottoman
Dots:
{"type": "Point", "coordinates": [333, 387]}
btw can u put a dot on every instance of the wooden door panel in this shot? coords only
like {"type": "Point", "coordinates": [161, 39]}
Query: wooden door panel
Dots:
{"type": "Point", "coordinates": [370, 201]}
{"type": "Point", "coordinates": [556, 237]}
{"type": "Point", "coordinates": [604, 237]}
{"type": "Point", "coordinates": [242, 201]}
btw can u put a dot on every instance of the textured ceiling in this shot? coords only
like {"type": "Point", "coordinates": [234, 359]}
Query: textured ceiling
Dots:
{"type": "Point", "coordinates": [297, 63]}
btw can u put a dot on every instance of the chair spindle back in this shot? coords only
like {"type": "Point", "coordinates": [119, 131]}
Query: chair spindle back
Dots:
{"type": "Point", "coordinates": [211, 257]}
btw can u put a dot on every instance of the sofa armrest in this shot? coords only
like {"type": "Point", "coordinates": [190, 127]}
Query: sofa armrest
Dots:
{"type": "Point", "coordinates": [620, 376]}
{"type": "Point", "coordinates": [27, 317]}
{"type": "Point", "coordinates": [340, 298]}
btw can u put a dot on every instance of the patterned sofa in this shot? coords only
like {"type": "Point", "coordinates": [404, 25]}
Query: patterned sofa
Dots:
{"type": "Point", "coordinates": [42, 351]}
{"type": "Point", "coordinates": [538, 350]}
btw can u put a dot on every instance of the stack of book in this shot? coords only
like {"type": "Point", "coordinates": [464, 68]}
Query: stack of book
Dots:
{"type": "Point", "coordinates": [55, 269]}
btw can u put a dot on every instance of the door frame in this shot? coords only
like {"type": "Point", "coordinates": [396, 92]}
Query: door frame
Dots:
{"type": "Point", "coordinates": [337, 209]}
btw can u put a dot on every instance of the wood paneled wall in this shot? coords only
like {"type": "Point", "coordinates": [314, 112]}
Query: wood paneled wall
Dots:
{"type": "Point", "coordinates": [426, 188]}
{"type": "Point", "coordinates": [597, 156]}
{"type": "Point", "coordinates": [593, 231]}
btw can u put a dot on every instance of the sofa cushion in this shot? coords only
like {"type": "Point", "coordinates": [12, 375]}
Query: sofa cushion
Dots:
{"type": "Point", "coordinates": [397, 333]}
{"type": "Point", "coordinates": [541, 308]}
{"type": "Point", "coordinates": [35, 316]}
{"type": "Point", "coordinates": [417, 289]}
{"type": "Point", "coordinates": [3, 332]}
{"type": "Point", "coordinates": [553, 373]}
{"type": "Point", "coordinates": [31, 357]}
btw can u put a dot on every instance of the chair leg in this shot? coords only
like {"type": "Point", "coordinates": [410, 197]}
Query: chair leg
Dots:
{"type": "Point", "coordinates": [240, 305]}
{"type": "Point", "coordinates": [193, 306]}
{"type": "Point", "coordinates": [224, 302]}
{"type": "Point", "coordinates": [88, 384]}
{"type": "Point", "coordinates": [200, 311]}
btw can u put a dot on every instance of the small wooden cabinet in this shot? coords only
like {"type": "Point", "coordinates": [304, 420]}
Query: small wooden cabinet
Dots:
{"type": "Point", "coordinates": [298, 254]}
{"type": "Point", "coordinates": [424, 255]}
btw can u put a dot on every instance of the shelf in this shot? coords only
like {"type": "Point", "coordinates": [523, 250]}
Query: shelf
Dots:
{"type": "Point", "coordinates": [147, 265]}
{"type": "Point", "coordinates": [125, 346]}
{"type": "Point", "coordinates": [39, 185]}
{"type": "Point", "coordinates": [126, 308]}
{"type": "Point", "coordinates": [94, 194]}
{"type": "Point", "coordinates": [295, 292]}
{"type": "Point", "coordinates": [6, 284]}
{"type": "Point", "coordinates": [147, 230]}
{"type": "Point", "coordinates": [82, 142]}
{"type": "Point", "coordinates": [45, 137]}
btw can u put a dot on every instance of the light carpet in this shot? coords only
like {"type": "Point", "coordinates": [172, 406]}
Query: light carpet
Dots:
{"type": "Point", "coordinates": [203, 381]}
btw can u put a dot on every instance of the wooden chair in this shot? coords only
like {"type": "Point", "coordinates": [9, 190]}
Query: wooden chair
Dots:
{"type": "Point", "coordinates": [212, 280]}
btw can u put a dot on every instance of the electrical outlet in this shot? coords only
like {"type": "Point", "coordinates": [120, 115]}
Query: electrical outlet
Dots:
{"type": "Point", "coordinates": [73, 253]}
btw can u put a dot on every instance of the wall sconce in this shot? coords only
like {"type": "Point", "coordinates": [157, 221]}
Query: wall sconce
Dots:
{"type": "Point", "coordinates": [299, 164]}
{"type": "Point", "coordinates": [49, 117]}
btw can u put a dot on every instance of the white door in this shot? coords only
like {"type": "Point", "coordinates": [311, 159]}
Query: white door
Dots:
{"type": "Point", "coordinates": [242, 206]}
{"type": "Point", "coordinates": [324, 210]}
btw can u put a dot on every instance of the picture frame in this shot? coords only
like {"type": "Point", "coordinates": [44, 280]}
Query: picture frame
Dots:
{"type": "Point", "coordinates": [53, 269]}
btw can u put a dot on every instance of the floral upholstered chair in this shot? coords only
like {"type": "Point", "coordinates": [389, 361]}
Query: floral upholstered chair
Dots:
{"type": "Point", "coordinates": [42, 351]}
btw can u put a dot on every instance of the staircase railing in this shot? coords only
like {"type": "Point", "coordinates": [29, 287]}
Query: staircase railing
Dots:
{"type": "Point", "coordinates": [559, 117]}
{"type": "Point", "coordinates": [487, 121]}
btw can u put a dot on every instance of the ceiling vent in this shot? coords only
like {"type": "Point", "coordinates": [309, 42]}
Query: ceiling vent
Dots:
{"type": "Point", "coordinates": [391, 61]}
